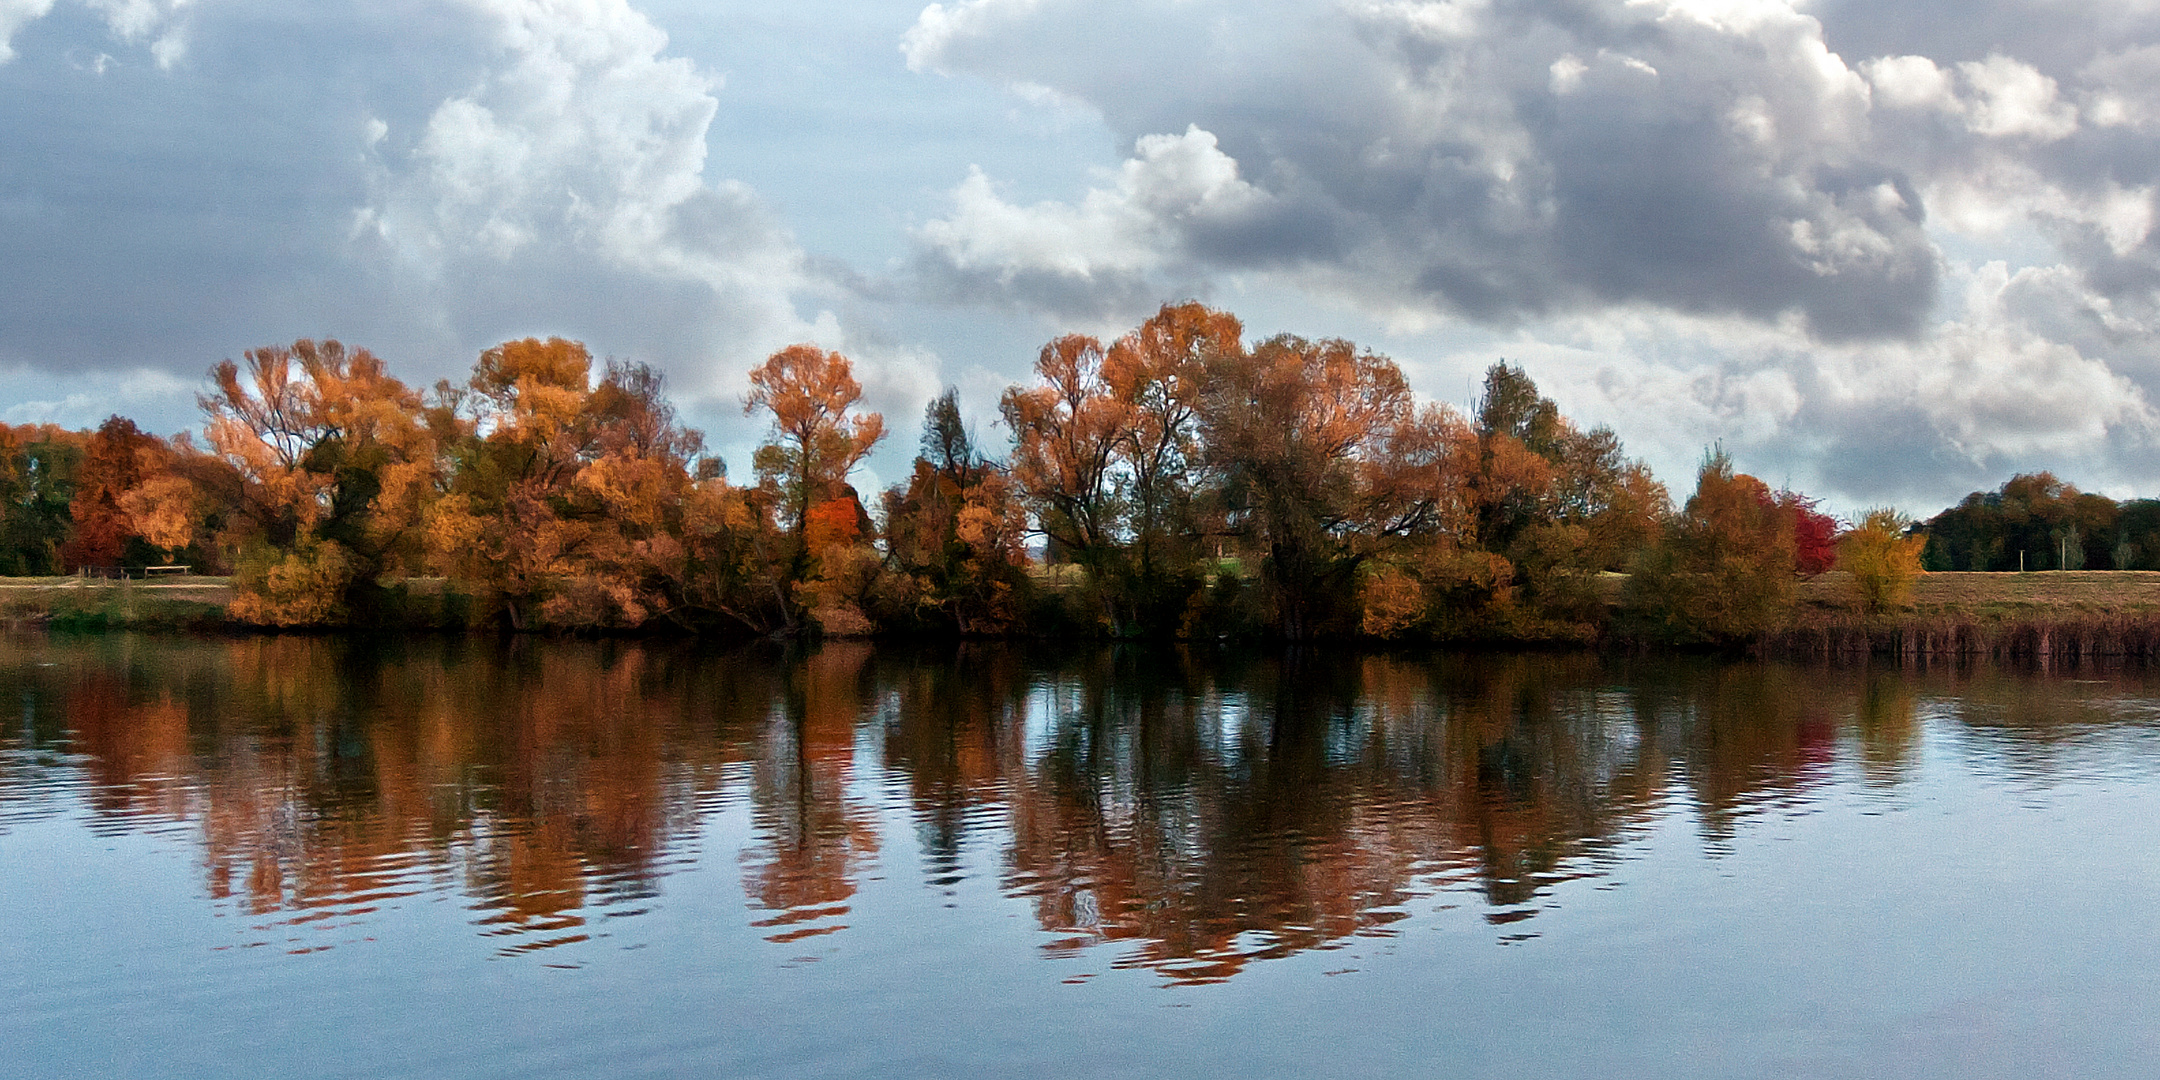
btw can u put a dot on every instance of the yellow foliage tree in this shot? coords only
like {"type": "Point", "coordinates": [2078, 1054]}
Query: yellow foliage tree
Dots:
{"type": "Point", "coordinates": [1882, 559]}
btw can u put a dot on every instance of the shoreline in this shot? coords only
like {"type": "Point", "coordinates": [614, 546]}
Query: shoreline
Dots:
{"type": "Point", "coordinates": [2048, 614]}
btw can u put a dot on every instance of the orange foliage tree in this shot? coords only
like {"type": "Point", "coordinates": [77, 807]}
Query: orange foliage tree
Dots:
{"type": "Point", "coordinates": [1066, 433]}
{"type": "Point", "coordinates": [1323, 454]}
{"type": "Point", "coordinates": [1155, 375]}
{"type": "Point", "coordinates": [1188, 477]}
{"type": "Point", "coordinates": [1727, 566]}
{"type": "Point", "coordinates": [953, 533]}
{"type": "Point", "coordinates": [118, 459]}
{"type": "Point", "coordinates": [570, 501]}
{"type": "Point", "coordinates": [331, 463]}
{"type": "Point", "coordinates": [817, 436]}
{"type": "Point", "coordinates": [1554, 506]}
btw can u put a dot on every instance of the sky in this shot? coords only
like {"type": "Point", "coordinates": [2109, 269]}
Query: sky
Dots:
{"type": "Point", "coordinates": [1882, 251]}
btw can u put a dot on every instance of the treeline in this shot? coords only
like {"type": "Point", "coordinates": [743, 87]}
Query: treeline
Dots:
{"type": "Point", "coordinates": [2037, 522]}
{"type": "Point", "coordinates": [1178, 482]}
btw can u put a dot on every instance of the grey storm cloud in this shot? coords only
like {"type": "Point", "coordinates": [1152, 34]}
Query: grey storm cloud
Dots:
{"type": "Point", "coordinates": [1500, 161]}
{"type": "Point", "coordinates": [1892, 248]}
{"type": "Point", "coordinates": [124, 179]}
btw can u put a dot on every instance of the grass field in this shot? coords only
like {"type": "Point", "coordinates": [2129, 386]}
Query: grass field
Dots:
{"type": "Point", "coordinates": [95, 603]}
{"type": "Point", "coordinates": [2012, 596]}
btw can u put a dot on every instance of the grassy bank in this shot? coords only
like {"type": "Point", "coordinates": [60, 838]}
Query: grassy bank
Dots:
{"type": "Point", "coordinates": [100, 603]}
{"type": "Point", "coordinates": [2042, 615]}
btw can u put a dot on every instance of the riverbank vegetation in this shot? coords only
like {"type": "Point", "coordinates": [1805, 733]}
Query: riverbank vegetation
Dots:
{"type": "Point", "coordinates": [1175, 482]}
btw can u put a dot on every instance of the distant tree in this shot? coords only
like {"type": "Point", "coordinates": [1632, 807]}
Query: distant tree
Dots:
{"type": "Point", "coordinates": [2137, 536]}
{"type": "Point", "coordinates": [38, 465]}
{"type": "Point", "coordinates": [2034, 522]}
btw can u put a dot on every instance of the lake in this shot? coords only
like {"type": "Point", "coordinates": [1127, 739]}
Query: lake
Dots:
{"type": "Point", "coordinates": [338, 857]}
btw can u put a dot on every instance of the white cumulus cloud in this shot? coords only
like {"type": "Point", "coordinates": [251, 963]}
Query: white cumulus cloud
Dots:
{"type": "Point", "coordinates": [585, 144]}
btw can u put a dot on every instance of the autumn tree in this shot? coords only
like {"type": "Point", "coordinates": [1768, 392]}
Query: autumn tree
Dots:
{"type": "Point", "coordinates": [1550, 506]}
{"type": "Point", "coordinates": [1322, 452]}
{"type": "Point", "coordinates": [816, 439]}
{"type": "Point", "coordinates": [1883, 558]}
{"type": "Point", "coordinates": [570, 501]}
{"type": "Point", "coordinates": [1066, 433]}
{"type": "Point", "coordinates": [136, 502]}
{"type": "Point", "coordinates": [1815, 533]}
{"type": "Point", "coordinates": [1727, 566]}
{"type": "Point", "coordinates": [817, 436]}
{"type": "Point", "coordinates": [117, 458]}
{"type": "Point", "coordinates": [1155, 374]}
{"type": "Point", "coordinates": [954, 532]}
{"type": "Point", "coordinates": [333, 462]}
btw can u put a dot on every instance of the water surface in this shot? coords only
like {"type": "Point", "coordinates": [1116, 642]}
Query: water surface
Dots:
{"type": "Point", "coordinates": [325, 857]}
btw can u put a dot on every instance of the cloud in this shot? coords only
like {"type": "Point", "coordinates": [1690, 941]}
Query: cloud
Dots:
{"type": "Point", "coordinates": [14, 15]}
{"type": "Point", "coordinates": [157, 400]}
{"type": "Point", "coordinates": [568, 189]}
{"type": "Point", "coordinates": [132, 21]}
{"type": "Point", "coordinates": [1765, 221]}
{"type": "Point", "coordinates": [1889, 269]}
{"type": "Point", "coordinates": [425, 179]}
{"type": "Point", "coordinates": [155, 21]}
{"type": "Point", "coordinates": [2026, 372]}
{"type": "Point", "coordinates": [584, 144]}
{"type": "Point", "coordinates": [1491, 161]}
{"type": "Point", "coordinates": [1176, 200]}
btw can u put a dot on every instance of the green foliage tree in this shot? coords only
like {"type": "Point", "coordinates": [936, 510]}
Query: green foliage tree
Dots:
{"type": "Point", "coordinates": [2033, 522]}
{"type": "Point", "coordinates": [38, 466]}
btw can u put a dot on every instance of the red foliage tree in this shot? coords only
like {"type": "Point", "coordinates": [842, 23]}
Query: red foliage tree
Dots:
{"type": "Point", "coordinates": [117, 458]}
{"type": "Point", "coordinates": [1814, 532]}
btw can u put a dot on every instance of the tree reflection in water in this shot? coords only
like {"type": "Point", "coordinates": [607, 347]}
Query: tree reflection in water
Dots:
{"type": "Point", "coordinates": [1200, 808]}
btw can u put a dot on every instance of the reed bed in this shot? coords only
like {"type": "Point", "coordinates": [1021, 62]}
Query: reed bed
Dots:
{"type": "Point", "coordinates": [2050, 616]}
{"type": "Point", "coordinates": [2072, 637]}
